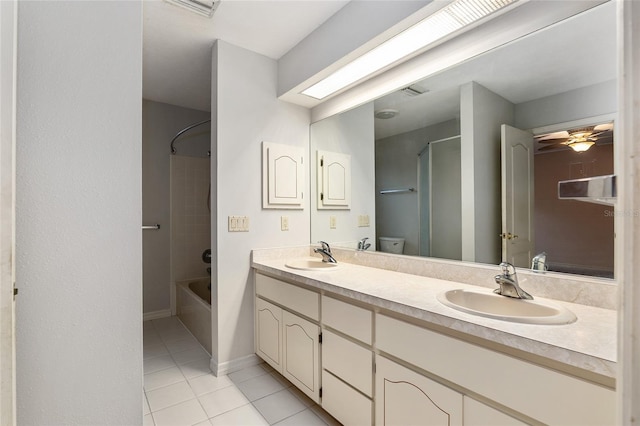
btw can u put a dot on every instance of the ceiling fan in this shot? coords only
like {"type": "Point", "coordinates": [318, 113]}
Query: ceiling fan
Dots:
{"type": "Point", "coordinates": [580, 139]}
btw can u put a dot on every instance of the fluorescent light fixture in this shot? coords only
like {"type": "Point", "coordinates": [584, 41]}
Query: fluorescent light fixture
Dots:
{"type": "Point", "coordinates": [201, 7]}
{"type": "Point", "coordinates": [445, 21]}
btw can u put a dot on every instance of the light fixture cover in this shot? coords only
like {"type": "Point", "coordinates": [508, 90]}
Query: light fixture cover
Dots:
{"type": "Point", "coordinates": [581, 146]}
{"type": "Point", "coordinates": [445, 21]}
{"type": "Point", "coordinates": [201, 7]}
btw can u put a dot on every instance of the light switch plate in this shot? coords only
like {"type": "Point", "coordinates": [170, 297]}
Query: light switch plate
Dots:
{"type": "Point", "coordinates": [238, 223]}
{"type": "Point", "coordinates": [284, 223]}
{"type": "Point", "coordinates": [363, 220]}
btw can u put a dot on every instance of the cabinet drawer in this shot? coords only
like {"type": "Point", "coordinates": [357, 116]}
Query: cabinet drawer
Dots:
{"type": "Point", "coordinates": [345, 404]}
{"type": "Point", "coordinates": [550, 397]}
{"type": "Point", "coordinates": [348, 361]}
{"type": "Point", "coordinates": [348, 319]}
{"type": "Point", "coordinates": [292, 297]}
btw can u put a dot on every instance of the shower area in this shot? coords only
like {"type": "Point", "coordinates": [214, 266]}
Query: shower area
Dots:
{"type": "Point", "coordinates": [177, 216]}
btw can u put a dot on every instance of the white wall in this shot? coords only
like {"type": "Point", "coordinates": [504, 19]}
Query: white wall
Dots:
{"type": "Point", "coordinates": [482, 113]}
{"type": "Point", "coordinates": [78, 236]}
{"type": "Point", "coordinates": [446, 199]}
{"type": "Point", "coordinates": [160, 123]}
{"type": "Point", "coordinates": [190, 217]}
{"type": "Point", "coordinates": [590, 101]}
{"type": "Point", "coordinates": [397, 215]}
{"type": "Point", "coordinates": [247, 112]}
{"type": "Point", "coordinates": [352, 133]}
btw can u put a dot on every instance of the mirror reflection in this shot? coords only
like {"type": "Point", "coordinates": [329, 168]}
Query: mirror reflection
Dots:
{"type": "Point", "coordinates": [464, 164]}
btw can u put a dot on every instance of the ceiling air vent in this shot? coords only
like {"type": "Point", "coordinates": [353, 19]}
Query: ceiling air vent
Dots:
{"type": "Point", "coordinates": [413, 90]}
{"type": "Point", "coordinates": [201, 7]}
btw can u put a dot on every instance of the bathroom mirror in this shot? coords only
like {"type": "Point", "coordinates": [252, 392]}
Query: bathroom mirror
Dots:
{"type": "Point", "coordinates": [426, 159]}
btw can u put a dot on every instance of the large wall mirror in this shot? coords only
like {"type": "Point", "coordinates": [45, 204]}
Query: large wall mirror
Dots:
{"type": "Point", "coordinates": [464, 164]}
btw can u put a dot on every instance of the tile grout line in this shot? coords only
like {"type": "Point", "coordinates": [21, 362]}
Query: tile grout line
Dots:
{"type": "Point", "coordinates": [197, 397]}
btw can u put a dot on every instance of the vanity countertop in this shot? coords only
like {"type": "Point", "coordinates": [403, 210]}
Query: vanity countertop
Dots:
{"type": "Point", "coordinates": [588, 344]}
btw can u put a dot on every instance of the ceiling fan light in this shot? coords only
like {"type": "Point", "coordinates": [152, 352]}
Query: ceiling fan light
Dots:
{"type": "Point", "coordinates": [581, 146]}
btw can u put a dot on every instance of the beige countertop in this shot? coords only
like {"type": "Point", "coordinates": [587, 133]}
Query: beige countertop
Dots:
{"type": "Point", "coordinates": [588, 344]}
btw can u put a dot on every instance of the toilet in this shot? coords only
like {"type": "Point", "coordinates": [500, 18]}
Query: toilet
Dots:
{"type": "Point", "coordinates": [391, 245]}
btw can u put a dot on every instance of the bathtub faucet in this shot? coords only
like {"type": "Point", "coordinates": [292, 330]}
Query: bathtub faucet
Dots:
{"type": "Point", "coordinates": [325, 251]}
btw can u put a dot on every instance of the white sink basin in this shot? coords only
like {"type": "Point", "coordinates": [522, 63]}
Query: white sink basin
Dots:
{"type": "Point", "coordinates": [310, 264]}
{"type": "Point", "coordinates": [491, 305]}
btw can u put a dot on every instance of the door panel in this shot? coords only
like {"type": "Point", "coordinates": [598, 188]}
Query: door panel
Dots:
{"type": "Point", "coordinates": [8, 37]}
{"type": "Point", "coordinates": [405, 398]}
{"type": "Point", "coordinates": [517, 196]}
{"type": "Point", "coordinates": [269, 333]}
{"type": "Point", "coordinates": [301, 364]}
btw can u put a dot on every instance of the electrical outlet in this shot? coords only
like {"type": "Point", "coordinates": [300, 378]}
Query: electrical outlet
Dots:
{"type": "Point", "coordinates": [332, 222]}
{"type": "Point", "coordinates": [284, 223]}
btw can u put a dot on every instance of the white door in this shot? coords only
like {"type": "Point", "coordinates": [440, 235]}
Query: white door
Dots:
{"type": "Point", "coordinates": [406, 398]}
{"type": "Point", "coordinates": [301, 353]}
{"type": "Point", "coordinates": [517, 196]}
{"type": "Point", "coordinates": [7, 209]}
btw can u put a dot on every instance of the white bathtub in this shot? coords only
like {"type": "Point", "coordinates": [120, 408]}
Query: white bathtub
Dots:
{"type": "Point", "coordinates": [193, 305]}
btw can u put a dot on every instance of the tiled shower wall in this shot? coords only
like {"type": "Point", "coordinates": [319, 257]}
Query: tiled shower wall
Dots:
{"type": "Point", "coordinates": [190, 217]}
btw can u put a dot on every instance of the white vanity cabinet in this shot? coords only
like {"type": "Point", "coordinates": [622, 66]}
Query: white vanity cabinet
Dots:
{"type": "Point", "coordinates": [367, 365]}
{"type": "Point", "coordinates": [347, 362]}
{"type": "Point", "coordinates": [283, 338]}
{"type": "Point", "coordinates": [546, 395]}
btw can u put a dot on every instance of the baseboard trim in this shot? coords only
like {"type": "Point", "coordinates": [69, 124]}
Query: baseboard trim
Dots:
{"type": "Point", "coordinates": [224, 368]}
{"type": "Point", "coordinates": [156, 314]}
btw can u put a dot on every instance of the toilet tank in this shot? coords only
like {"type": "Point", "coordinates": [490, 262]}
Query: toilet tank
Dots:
{"type": "Point", "coordinates": [391, 245]}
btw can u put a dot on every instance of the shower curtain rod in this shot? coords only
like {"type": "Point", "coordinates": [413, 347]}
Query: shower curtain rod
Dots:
{"type": "Point", "coordinates": [173, 150]}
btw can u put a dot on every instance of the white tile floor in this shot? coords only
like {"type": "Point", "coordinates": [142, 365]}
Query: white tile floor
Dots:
{"type": "Point", "coordinates": [180, 389]}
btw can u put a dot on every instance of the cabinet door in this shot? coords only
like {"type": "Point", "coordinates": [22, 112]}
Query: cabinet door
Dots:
{"type": "Point", "coordinates": [269, 333]}
{"type": "Point", "coordinates": [478, 414]}
{"type": "Point", "coordinates": [283, 176]}
{"type": "Point", "coordinates": [334, 180]}
{"type": "Point", "coordinates": [404, 398]}
{"type": "Point", "coordinates": [301, 364]}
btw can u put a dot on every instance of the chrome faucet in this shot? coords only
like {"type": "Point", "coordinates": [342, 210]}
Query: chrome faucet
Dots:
{"type": "Point", "coordinates": [508, 282]}
{"type": "Point", "coordinates": [539, 263]}
{"type": "Point", "coordinates": [363, 245]}
{"type": "Point", "coordinates": [325, 251]}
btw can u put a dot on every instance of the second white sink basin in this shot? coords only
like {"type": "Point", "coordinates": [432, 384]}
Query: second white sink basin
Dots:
{"type": "Point", "coordinates": [491, 305]}
{"type": "Point", "coordinates": [310, 264]}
